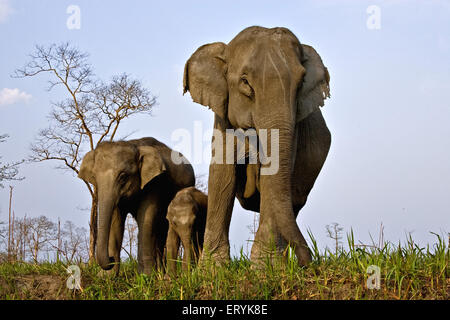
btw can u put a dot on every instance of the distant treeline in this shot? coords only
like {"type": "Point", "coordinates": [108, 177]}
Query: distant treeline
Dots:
{"type": "Point", "coordinates": [35, 239]}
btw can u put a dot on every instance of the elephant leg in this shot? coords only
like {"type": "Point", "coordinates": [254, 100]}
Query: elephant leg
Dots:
{"type": "Point", "coordinates": [314, 140]}
{"type": "Point", "coordinates": [197, 245]}
{"type": "Point", "coordinates": [172, 246]}
{"type": "Point", "coordinates": [222, 190]}
{"type": "Point", "coordinates": [264, 248]}
{"type": "Point", "coordinates": [187, 254]}
{"type": "Point", "coordinates": [281, 244]}
{"type": "Point", "coordinates": [147, 220]}
{"type": "Point", "coordinates": [221, 187]}
{"type": "Point", "coordinates": [161, 230]}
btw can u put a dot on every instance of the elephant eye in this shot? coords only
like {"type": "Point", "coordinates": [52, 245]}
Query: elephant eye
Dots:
{"type": "Point", "coordinates": [123, 177]}
{"type": "Point", "coordinates": [245, 88]}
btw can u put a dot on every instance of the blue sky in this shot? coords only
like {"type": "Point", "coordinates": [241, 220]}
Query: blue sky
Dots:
{"type": "Point", "coordinates": [389, 110]}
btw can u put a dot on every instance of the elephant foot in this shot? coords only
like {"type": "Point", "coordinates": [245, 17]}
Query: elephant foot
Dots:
{"type": "Point", "coordinates": [150, 266]}
{"type": "Point", "coordinates": [266, 254]}
{"type": "Point", "coordinates": [148, 270]}
{"type": "Point", "coordinates": [169, 276]}
{"type": "Point", "coordinates": [108, 274]}
{"type": "Point", "coordinates": [171, 268]}
{"type": "Point", "coordinates": [300, 255]}
{"type": "Point", "coordinates": [304, 256]}
{"type": "Point", "coordinates": [219, 257]}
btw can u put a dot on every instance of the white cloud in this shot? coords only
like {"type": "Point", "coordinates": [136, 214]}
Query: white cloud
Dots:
{"type": "Point", "coordinates": [11, 96]}
{"type": "Point", "coordinates": [5, 10]}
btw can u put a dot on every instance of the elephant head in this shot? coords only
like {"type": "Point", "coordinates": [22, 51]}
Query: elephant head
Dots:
{"type": "Point", "coordinates": [187, 216]}
{"type": "Point", "coordinates": [263, 79]}
{"type": "Point", "coordinates": [119, 171]}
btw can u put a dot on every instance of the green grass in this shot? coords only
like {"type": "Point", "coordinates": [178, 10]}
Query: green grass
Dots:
{"type": "Point", "coordinates": [407, 272]}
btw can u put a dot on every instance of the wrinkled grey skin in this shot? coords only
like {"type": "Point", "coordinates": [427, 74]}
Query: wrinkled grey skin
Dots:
{"type": "Point", "coordinates": [187, 220]}
{"type": "Point", "coordinates": [263, 79]}
{"type": "Point", "coordinates": [137, 177]}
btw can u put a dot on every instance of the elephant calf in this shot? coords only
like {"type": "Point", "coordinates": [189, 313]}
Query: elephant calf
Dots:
{"type": "Point", "coordinates": [187, 219]}
{"type": "Point", "coordinates": [137, 177]}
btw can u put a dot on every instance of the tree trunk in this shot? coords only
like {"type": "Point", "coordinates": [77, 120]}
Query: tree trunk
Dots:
{"type": "Point", "coordinates": [10, 231]}
{"type": "Point", "coordinates": [58, 241]}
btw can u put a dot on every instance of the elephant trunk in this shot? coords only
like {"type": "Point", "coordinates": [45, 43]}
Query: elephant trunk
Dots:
{"type": "Point", "coordinates": [276, 192]}
{"type": "Point", "coordinates": [106, 207]}
{"type": "Point", "coordinates": [279, 118]}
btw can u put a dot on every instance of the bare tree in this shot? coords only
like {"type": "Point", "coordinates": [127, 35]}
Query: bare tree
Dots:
{"type": "Point", "coordinates": [20, 244]}
{"type": "Point", "coordinates": [73, 244]}
{"type": "Point", "coordinates": [201, 182]}
{"type": "Point", "coordinates": [335, 232]}
{"type": "Point", "coordinates": [130, 239]}
{"type": "Point", "coordinates": [3, 241]}
{"type": "Point", "coordinates": [91, 113]}
{"type": "Point", "coordinates": [34, 236]}
{"type": "Point", "coordinates": [8, 171]}
{"type": "Point", "coordinates": [58, 242]}
{"type": "Point", "coordinates": [17, 240]}
{"type": "Point", "coordinates": [10, 224]}
{"type": "Point", "coordinates": [253, 227]}
{"type": "Point", "coordinates": [41, 233]}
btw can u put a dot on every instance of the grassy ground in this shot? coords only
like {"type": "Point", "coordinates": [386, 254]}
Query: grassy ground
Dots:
{"type": "Point", "coordinates": [407, 272]}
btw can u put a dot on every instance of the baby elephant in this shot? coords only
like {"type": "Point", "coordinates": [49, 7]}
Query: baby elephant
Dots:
{"type": "Point", "coordinates": [187, 220]}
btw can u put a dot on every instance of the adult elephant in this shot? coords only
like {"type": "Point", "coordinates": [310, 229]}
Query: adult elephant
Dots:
{"type": "Point", "coordinates": [263, 79]}
{"type": "Point", "coordinates": [137, 177]}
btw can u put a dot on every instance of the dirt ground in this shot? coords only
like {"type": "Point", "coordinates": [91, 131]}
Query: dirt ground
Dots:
{"type": "Point", "coordinates": [36, 287]}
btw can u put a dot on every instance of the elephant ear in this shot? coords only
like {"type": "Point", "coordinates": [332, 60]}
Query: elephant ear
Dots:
{"type": "Point", "coordinates": [315, 88]}
{"type": "Point", "coordinates": [151, 164]}
{"type": "Point", "coordinates": [204, 77]}
{"type": "Point", "coordinates": [86, 172]}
